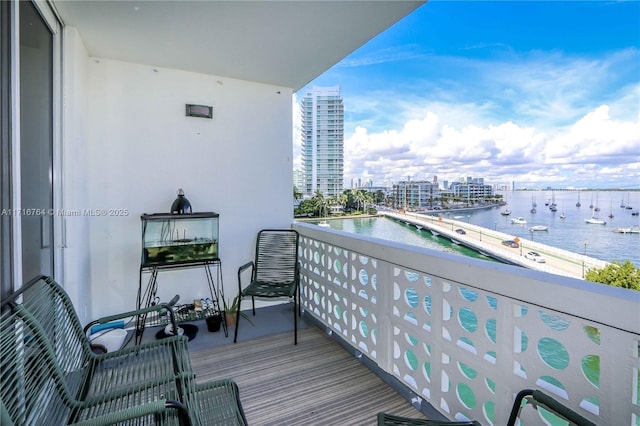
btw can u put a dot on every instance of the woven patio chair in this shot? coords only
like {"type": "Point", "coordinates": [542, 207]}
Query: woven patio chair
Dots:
{"type": "Point", "coordinates": [275, 272]}
{"type": "Point", "coordinates": [531, 405]}
{"type": "Point", "coordinates": [386, 419]}
{"type": "Point", "coordinates": [94, 374]}
{"type": "Point", "coordinates": [35, 390]}
{"type": "Point", "coordinates": [527, 403]}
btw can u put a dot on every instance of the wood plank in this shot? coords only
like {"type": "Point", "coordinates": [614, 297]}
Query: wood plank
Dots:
{"type": "Point", "coordinates": [315, 382]}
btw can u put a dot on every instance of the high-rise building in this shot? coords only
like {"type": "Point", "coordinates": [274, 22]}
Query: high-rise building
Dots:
{"type": "Point", "coordinates": [323, 141]}
{"type": "Point", "coordinates": [298, 180]}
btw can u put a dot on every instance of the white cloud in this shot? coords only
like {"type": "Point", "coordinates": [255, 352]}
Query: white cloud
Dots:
{"type": "Point", "coordinates": [499, 153]}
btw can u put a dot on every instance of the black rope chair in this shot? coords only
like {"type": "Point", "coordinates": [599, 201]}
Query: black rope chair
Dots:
{"type": "Point", "coordinates": [275, 272]}
{"type": "Point", "coordinates": [527, 397]}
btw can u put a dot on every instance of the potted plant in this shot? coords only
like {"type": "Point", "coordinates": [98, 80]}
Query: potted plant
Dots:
{"type": "Point", "coordinates": [214, 322]}
{"type": "Point", "coordinates": [230, 309]}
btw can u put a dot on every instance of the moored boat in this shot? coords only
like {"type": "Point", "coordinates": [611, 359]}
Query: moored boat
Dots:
{"type": "Point", "coordinates": [519, 221]}
{"type": "Point", "coordinates": [538, 228]}
{"type": "Point", "coordinates": [595, 221]}
{"type": "Point", "coordinates": [629, 230]}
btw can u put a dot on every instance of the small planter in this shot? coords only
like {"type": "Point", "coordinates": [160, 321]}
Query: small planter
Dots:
{"type": "Point", "coordinates": [214, 322]}
{"type": "Point", "coordinates": [230, 312]}
{"type": "Point", "coordinates": [231, 319]}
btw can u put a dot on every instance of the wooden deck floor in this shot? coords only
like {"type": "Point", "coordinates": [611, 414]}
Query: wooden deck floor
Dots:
{"type": "Point", "coordinates": [316, 382]}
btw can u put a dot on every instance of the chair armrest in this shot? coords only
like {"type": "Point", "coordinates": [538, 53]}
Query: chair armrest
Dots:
{"type": "Point", "coordinates": [128, 314]}
{"type": "Point", "coordinates": [241, 269]}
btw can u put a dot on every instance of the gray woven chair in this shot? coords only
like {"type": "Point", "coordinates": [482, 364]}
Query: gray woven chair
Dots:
{"type": "Point", "coordinates": [537, 399]}
{"type": "Point", "coordinates": [50, 376]}
{"type": "Point", "coordinates": [35, 389]}
{"type": "Point", "coordinates": [50, 305]}
{"type": "Point", "coordinates": [526, 398]}
{"type": "Point", "coordinates": [275, 272]}
{"type": "Point", "coordinates": [385, 419]}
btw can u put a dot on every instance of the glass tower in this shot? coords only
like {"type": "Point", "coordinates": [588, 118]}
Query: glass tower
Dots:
{"type": "Point", "coordinates": [323, 141]}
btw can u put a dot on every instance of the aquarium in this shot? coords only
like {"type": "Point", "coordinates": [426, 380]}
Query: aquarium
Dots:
{"type": "Point", "coordinates": [169, 239]}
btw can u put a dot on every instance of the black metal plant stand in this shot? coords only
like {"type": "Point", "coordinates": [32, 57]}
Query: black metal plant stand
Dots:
{"type": "Point", "coordinates": [147, 296]}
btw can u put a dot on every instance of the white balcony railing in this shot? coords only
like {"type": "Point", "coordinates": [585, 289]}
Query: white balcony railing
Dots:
{"type": "Point", "coordinates": [466, 335]}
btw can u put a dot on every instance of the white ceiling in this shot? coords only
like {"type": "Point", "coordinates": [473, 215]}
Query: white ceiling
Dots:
{"type": "Point", "coordinates": [284, 43]}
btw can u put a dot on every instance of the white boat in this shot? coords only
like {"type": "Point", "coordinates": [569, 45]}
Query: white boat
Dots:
{"type": "Point", "coordinates": [519, 221]}
{"type": "Point", "coordinates": [595, 221]}
{"type": "Point", "coordinates": [434, 233]}
{"type": "Point", "coordinates": [563, 216]}
{"type": "Point", "coordinates": [324, 224]}
{"type": "Point", "coordinates": [631, 230]}
{"type": "Point", "coordinates": [538, 228]}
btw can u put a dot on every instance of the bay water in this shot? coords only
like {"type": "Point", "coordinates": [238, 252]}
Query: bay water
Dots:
{"type": "Point", "coordinates": [570, 233]}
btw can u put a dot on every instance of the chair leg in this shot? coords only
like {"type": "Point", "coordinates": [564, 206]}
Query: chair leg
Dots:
{"type": "Point", "coordinates": [235, 333]}
{"type": "Point", "coordinates": [295, 319]}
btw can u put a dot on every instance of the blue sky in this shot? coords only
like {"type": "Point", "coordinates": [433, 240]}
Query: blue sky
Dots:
{"type": "Point", "coordinates": [540, 93]}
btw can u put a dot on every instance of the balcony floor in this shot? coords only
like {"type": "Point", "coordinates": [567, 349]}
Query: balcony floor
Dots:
{"type": "Point", "coordinates": [316, 382]}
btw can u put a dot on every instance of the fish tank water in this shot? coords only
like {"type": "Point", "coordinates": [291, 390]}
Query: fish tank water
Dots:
{"type": "Point", "coordinates": [169, 239]}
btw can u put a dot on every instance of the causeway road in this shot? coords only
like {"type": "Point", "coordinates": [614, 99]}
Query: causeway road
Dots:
{"type": "Point", "coordinates": [489, 242]}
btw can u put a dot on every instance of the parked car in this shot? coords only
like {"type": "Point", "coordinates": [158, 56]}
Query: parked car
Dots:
{"type": "Point", "coordinates": [510, 243]}
{"type": "Point", "coordinates": [461, 231]}
{"type": "Point", "coordinates": [535, 256]}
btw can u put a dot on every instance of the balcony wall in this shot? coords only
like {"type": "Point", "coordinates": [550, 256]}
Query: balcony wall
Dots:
{"type": "Point", "coordinates": [466, 335]}
{"type": "Point", "coordinates": [128, 146]}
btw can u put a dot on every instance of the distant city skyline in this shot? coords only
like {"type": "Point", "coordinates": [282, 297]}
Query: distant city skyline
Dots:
{"type": "Point", "coordinates": [545, 94]}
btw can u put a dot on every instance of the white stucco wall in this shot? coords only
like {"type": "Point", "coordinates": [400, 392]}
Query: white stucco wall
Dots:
{"type": "Point", "coordinates": [75, 274]}
{"type": "Point", "coordinates": [140, 147]}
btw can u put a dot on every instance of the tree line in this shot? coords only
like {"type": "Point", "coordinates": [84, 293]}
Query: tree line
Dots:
{"type": "Point", "coordinates": [350, 201]}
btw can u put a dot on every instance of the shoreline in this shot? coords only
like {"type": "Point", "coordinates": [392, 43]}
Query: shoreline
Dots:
{"type": "Point", "coordinates": [400, 211]}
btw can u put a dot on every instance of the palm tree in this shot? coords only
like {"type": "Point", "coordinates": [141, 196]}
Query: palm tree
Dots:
{"type": "Point", "coordinates": [296, 193]}
{"type": "Point", "coordinates": [342, 200]}
{"type": "Point", "coordinates": [360, 197]}
{"type": "Point", "coordinates": [320, 203]}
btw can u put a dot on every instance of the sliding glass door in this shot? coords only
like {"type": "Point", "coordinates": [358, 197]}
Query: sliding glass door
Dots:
{"type": "Point", "coordinates": [6, 153]}
{"type": "Point", "coordinates": [36, 142]}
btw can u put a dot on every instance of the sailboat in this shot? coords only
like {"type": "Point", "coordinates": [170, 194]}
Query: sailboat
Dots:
{"type": "Point", "coordinates": [533, 205]}
{"type": "Point", "coordinates": [595, 220]}
{"type": "Point", "coordinates": [553, 204]}
{"type": "Point", "coordinates": [562, 215]}
{"type": "Point", "coordinates": [611, 211]}
{"type": "Point", "coordinates": [506, 211]}
{"type": "Point", "coordinates": [578, 203]}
